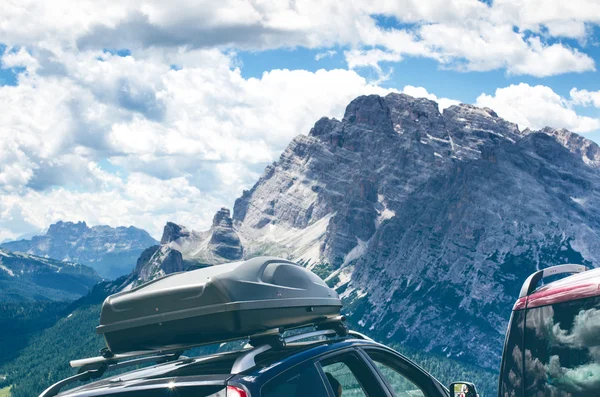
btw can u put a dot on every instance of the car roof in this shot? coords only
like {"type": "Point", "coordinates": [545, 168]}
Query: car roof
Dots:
{"type": "Point", "coordinates": [578, 286]}
{"type": "Point", "coordinates": [211, 369]}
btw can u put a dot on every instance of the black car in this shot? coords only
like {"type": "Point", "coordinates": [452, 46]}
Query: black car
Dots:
{"type": "Point", "coordinates": [297, 342]}
{"type": "Point", "coordinates": [350, 366]}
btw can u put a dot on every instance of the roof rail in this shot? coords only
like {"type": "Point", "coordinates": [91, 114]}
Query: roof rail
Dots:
{"type": "Point", "coordinates": [246, 361]}
{"type": "Point", "coordinates": [532, 281]}
{"type": "Point", "coordinates": [94, 370]}
{"type": "Point", "coordinates": [95, 367]}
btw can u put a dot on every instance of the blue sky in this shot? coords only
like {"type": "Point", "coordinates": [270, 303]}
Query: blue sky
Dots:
{"type": "Point", "coordinates": [127, 114]}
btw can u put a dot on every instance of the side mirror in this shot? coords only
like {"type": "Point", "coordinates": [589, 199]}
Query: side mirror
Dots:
{"type": "Point", "coordinates": [463, 389]}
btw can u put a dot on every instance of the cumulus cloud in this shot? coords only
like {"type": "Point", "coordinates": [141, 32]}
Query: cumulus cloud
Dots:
{"type": "Point", "coordinates": [468, 35]}
{"type": "Point", "coordinates": [585, 97]}
{"type": "Point", "coordinates": [203, 130]}
{"type": "Point", "coordinates": [326, 54]}
{"type": "Point", "coordinates": [420, 92]}
{"type": "Point", "coordinates": [536, 107]}
{"type": "Point", "coordinates": [86, 130]}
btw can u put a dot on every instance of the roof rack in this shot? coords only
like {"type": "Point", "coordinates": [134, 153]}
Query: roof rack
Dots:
{"type": "Point", "coordinates": [532, 281]}
{"type": "Point", "coordinates": [95, 367]}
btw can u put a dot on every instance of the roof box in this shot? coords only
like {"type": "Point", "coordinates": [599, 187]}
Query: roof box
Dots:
{"type": "Point", "coordinates": [215, 304]}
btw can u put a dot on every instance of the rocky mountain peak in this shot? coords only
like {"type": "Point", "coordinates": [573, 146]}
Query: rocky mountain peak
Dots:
{"type": "Point", "coordinates": [471, 129]}
{"type": "Point", "coordinates": [172, 232]}
{"type": "Point", "coordinates": [157, 261]}
{"type": "Point", "coordinates": [224, 240]}
{"type": "Point", "coordinates": [588, 150]}
{"type": "Point", "coordinates": [371, 112]}
{"type": "Point", "coordinates": [418, 218]}
{"type": "Point", "coordinates": [62, 228]}
{"type": "Point", "coordinates": [112, 252]}
{"type": "Point", "coordinates": [222, 218]}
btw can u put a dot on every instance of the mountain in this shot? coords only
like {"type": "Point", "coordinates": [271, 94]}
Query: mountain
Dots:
{"type": "Point", "coordinates": [25, 277]}
{"type": "Point", "coordinates": [427, 223]}
{"type": "Point", "coordinates": [181, 249]}
{"type": "Point", "coordinates": [112, 252]}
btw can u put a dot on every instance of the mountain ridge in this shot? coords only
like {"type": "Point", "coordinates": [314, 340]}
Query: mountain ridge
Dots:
{"type": "Point", "coordinates": [25, 277]}
{"type": "Point", "coordinates": [421, 218]}
{"type": "Point", "coordinates": [112, 252]}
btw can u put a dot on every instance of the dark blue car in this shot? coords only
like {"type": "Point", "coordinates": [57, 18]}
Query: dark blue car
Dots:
{"type": "Point", "coordinates": [315, 364]}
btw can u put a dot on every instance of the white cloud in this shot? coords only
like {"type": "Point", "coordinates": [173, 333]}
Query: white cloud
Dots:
{"type": "Point", "coordinates": [566, 19]}
{"type": "Point", "coordinates": [185, 140]}
{"type": "Point", "coordinates": [326, 54]}
{"type": "Point", "coordinates": [464, 34]}
{"type": "Point", "coordinates": [536, 107]}
{"type": "Point", "coordinates": [420, 92]}
{"type": "Point", "coordinates": [585, 97]}
{"type": "Point", "coordinates": [204, 131]}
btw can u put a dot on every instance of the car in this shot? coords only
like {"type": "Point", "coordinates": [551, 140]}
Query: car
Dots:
{"type": "Point", "coordinates": [352, 364]}
{"type": "Point", "coordinates": [296, 341]}
{"type": "Point", "coordinates": [552, 346]}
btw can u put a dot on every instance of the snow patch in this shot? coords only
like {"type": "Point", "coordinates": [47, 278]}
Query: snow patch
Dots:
{"type": "Point", "coordinates": [579, 200]}
{"type": "Point", "coordinates": [437, 139]}
{"type": "Point", "coordinates": [355, 252]}
{"type": "Point", "coordinates": [7, 270]}
{"type": "Point", "coordinates": [384, 214]}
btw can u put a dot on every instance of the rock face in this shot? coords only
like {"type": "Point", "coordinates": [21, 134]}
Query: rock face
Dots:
{"type": "Point", "coordinates": [25, 277]}
{"type": "Point", "coordinates": [172, 232]}
{"type": "Point", "coordinates": [586, 149]}
{"type": "Point", "coordinates": [224, 240]}
{"type": "Point", "coordinates": [427, 223]}
{"type": "Point", "coordinates": [158, 261]}
{"type": "Point", "coordinates": [112, 252]}
{"type": "Point", "coordinates": [181, 249]}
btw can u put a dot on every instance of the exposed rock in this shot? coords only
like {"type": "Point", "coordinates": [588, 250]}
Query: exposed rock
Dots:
{"type": "Point", "coordinates": [112, 252]}
{"type": "Point", "coordinates": [158, 261]}
{"type": "Point", "coordinates": [224, 240]}
{"type": "Point", "coordinates": [172, 232]}
{"type": "Point", "coordinates": [422, 221]}
{"type": "Point", "coordinates": [180, 248]}
{"type": "Point", "coordinates": [588, 150]}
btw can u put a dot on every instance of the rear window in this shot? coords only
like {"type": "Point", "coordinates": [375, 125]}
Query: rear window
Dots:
{"type": "Point", "coordinates": [511, 376]}
{"type": "Point", "coordinates": [562, 355]}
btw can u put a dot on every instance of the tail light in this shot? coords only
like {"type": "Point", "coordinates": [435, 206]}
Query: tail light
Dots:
{"type": "Point", "coordinates": [234, 391]}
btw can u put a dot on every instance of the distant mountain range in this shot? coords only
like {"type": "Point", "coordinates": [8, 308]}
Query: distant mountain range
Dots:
{"type": "Point", "coordinates": [112, 252]}
{"type": "Point", "coordinates": [25, 277]}
{"type": "Point", "coordinates": [427, 223]}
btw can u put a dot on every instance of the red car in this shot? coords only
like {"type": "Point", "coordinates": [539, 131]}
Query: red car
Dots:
{"type": "Point", "coordinates": [552, 345]}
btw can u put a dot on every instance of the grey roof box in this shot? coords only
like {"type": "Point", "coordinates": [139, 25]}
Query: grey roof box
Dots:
{"type": "Point", "coordinates": [215, 304]}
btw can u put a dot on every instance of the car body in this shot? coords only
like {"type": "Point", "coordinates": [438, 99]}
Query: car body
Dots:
{"type": "Point", "coordinates": [552, 345]}
{"type": "Point", "coordinates": [360, 366]}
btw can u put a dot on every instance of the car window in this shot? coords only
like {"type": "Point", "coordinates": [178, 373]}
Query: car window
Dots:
{"type": "Point", "coordinates": [300, 381]}
{"type": "Point", "coordinates": [562, 349]}
{"type": "Point", "coordinates": [511, 375]}
{"type": "Point", "coordinates": [349, 376]}
{"type": "Point", "coordinates": [397, 374]}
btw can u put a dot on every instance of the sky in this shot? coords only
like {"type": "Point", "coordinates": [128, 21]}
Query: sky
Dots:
{"type": "Point", "coordinates": [138, 113]}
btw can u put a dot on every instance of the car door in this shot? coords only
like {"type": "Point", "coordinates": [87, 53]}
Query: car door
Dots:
{"type": "Point", "coordinates": [402, 377]}
{"type": "Point", "coordinates": [348, 375]}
